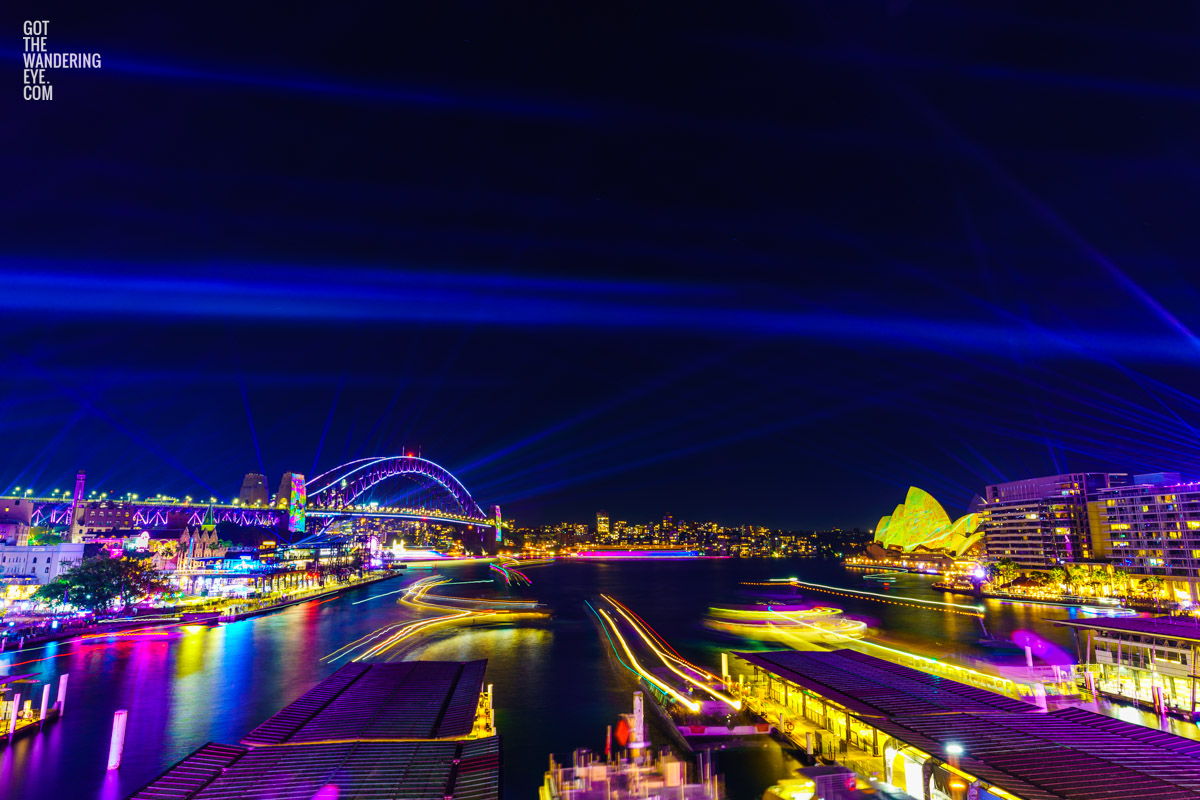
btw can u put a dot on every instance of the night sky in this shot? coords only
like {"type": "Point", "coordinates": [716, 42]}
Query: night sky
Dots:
{"type": "Point", "coordinates": [753, 262]}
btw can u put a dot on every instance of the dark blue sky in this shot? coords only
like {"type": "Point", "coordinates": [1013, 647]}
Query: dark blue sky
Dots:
{"type": "Point", "coordinates": [763, 263]}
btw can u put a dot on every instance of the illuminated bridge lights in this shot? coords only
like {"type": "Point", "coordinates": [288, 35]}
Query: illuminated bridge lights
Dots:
{"type": "Point", "coordinates": [332, 494]}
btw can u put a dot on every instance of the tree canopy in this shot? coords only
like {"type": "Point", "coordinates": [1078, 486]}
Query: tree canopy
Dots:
{"type": "Point", "coordinates": [97, 583]}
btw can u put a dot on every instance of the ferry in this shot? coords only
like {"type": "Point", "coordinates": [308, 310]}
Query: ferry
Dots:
{"type": "Point", "coordinates": [778, 620]}
{"type": "Point", "coordinates": [714, 723]}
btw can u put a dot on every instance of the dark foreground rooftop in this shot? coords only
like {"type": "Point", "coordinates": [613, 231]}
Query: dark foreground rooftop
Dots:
{"type": "Point", "coordinates": [1069, 754]}
{"type": "Point", "coordinates": [404, 700]}
{"type": "Point", "coordinates": [872, 687]}
{"type": "Point", "coordinates": [367, 732]}
{"type": "Point", "coordinates": [1164, 627]}
{"type": "Point", "coordinates": [466, 770]}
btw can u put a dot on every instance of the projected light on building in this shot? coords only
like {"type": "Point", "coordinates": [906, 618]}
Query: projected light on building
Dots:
{"type": "Point", "coordinates": [296, 504]}
{"type": "Point", "coordinates": [920, 521]}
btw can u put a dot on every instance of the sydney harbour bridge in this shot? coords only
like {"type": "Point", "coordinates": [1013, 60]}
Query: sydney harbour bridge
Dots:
{"type": "Point", "coordinates": [390, 487]}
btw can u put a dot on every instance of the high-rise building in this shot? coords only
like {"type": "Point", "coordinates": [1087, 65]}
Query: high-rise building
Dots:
{"type": "Point", "coordinates": [1043, 522]}
{"type": "Point", "coordinates": [254, 490]}
{"type": "Point", "coordinates": [603, 531]}
{"type": "Point", "coordinates": [1151, 527]}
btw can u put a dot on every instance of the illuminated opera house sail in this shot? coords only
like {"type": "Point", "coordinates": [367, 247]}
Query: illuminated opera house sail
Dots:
{"type": "Point", "coordinates": [921, 522]}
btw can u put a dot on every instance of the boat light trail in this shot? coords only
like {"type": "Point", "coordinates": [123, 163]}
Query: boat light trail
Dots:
{"type": "Point", "coordinates": [734, 704]}
{"type": "Point", "coordinates": [377, 596]}
{"type": "Point", "coordinates": [676, 657]}
{"type": "Point", "coordinates": [611, 643]}
{"type": "Point", "coordinates": [691, 704]}
{"type": "Point", "coordinates": [950, 608]}
{"type": "Point", "coordinates": [653, 632]}
{"type": "Point", "coordinates": [417, 596]}
{"type": "Point", "coordinates": [917, 656]}
{"type": "Point", "coordinates": [409, 630]}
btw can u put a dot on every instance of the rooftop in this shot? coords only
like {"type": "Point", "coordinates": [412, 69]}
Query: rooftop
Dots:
{"type": "Point", "coordinates": [363, 702]}
{"type": "Point", "coordinates": [369, 732]}
{"type": "Point", "coordinates": [1165, 627]}
{"type": "Point", "coordinates": [872, 687]}
{"type": "Point", "coordinates": [466, 770]}
{"type": "Point", "coordinates": [1070, 753]}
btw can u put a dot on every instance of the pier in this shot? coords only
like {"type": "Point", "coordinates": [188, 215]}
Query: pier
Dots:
{"type": "Point", "coordinates": [913, 730]}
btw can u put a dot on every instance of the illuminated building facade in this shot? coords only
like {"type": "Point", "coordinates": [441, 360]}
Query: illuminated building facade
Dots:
{"type": "Point", "coordinates": [1151, 528]}
{"type": "Point", "coordinates": [603, 531]}
{"type": "Point", "coordinates": [42, 562]}
{"type": "Point", "coordinates": [99, 517]}
{"type": "Point", "coordinates": [921, 522]}
{"type": "Point", "coordinates": [1042, 522]}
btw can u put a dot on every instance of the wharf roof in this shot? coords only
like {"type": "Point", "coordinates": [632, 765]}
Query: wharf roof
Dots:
{"type": "Point", "coordinates": [1070, 753]}
{"type": "Point", "coordinates": [374, 702]}
{"type": "Point", "coordinates": [872, 687]}
{"type": "Point", "coordinates": [464, 770]}
{"type": "Point", "coordinates": [1162, 627]}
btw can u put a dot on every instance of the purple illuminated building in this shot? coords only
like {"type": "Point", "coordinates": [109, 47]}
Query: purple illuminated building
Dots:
{"type": "Point", "coordinates": [1043, 522]}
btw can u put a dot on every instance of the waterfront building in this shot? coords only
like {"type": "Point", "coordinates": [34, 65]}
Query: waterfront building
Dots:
{"type": "Point", "coordinates": [1043, 522]}
{"type": "Point", "coordinates": [16, 515]}
{"type": "Point", "coordinates": [102, 516]}
{"type": "Point", "coordinates": [1150, 660]}
{"type": "Point", "coordinates": [254, 490]}
{"type": "Point", "coordinates": [934, 737]}
{"type": "Point", "coordinates": [44, 563]}
{"type": "Point", "coordinates": [1151, 527]}
{"type": "Point", "coordinates": [407, 729]}
{"type": "Point", "coordinates": [603, 531]}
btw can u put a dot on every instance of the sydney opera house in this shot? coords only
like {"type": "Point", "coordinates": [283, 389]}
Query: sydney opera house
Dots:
{"type": "Point", "coordinates": [920, 526]}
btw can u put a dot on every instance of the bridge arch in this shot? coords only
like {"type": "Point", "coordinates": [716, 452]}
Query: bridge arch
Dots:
{"type": "Point", "coordinates": [342, 485]}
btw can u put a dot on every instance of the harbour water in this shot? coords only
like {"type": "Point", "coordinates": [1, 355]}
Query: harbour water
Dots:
{"type": "Point", "coordinates": [556, 688]}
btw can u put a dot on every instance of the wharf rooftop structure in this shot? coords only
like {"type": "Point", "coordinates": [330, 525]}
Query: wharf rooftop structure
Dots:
{"type": "Point", "coordinates": [413, 729]}
{"type": "Point", "coordinates": [1151, 660]}
{"type": "Point", "coordinates": [930, 736]}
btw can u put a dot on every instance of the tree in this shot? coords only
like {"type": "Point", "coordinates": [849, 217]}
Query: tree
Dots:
{"type": "Point", "coordinates": [1076, 574]}
{"type": "Point", "coordinates": [44, 536]}
{"type": "Point", "coordinates": [1003, 571]}
{"type": "Point", "coordinates": [1120, 580]}
{"type": "Point", "coordinates": [96, 583]}
{"type": "Point", "coordinates": [1059, 576]}
{"type": "Point", "coordinates": [1039, 579]}
{"type": "Point", "coordinates": [53, 594]}
{"type": "Point", "coordinates": [1152, 586]}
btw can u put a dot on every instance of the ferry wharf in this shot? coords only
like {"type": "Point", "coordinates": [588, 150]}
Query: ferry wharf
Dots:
{"type": "Point", "coordinates": [936, 738]}
{"type": "Point", "coordinates": [411, 729]}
